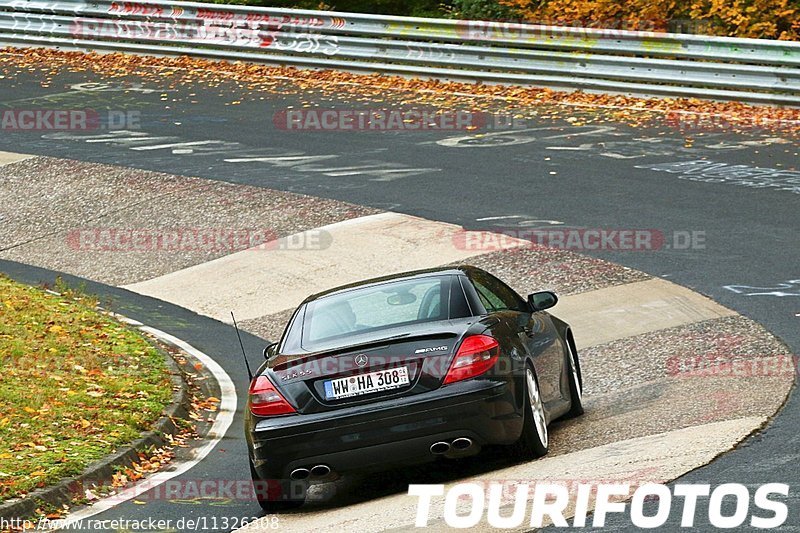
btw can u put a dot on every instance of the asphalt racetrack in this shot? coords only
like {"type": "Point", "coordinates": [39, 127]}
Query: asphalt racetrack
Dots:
{"type": "Point", "coordinates": [546, 172]}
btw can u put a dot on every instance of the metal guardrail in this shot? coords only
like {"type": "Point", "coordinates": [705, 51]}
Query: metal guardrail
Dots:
{"type": "Point", "coordinates": [752, 70]}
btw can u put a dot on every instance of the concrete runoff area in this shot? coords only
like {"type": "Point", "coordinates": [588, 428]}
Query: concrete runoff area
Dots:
{"type": "Point", "coordinates": [253, 283]}
{"type": "Point", "coordinates": [10, 157]}
{"type": "Point", "coordinates": [258, 283]}
{"type": "Point", "coordinates": [623, 311]}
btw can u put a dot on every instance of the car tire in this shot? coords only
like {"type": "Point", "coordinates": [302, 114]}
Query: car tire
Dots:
{"type": "Point", "coordinates": [275, 495]}
{"type": "Point", "coordinates": [575, 381]}
{"type": "Point", "coordinates": [535, 440]}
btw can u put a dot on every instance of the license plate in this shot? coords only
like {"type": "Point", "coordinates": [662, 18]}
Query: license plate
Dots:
{"type": "Point", "coordinates": [382, 380]}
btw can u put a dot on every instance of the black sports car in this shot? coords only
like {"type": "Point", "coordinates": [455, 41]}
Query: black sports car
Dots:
{"type": "Point", "coordinates": [405, 369]}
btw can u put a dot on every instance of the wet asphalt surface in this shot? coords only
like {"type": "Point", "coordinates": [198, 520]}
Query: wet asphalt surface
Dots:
{"type": "Point", "coordinates": [579, 176]}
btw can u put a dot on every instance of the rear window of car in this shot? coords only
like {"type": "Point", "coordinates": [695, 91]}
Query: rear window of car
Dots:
{"type": "Point", "coordinates": [385, 306]}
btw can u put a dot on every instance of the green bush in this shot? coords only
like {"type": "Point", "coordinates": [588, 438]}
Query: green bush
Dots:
{"type": "Point", "coordinates": [412, 8]}
{"type": "Point", "coordinates": [482, 10]}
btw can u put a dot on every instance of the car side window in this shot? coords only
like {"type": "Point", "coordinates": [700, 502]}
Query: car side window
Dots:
{"type": "Point", "coordinates": [496, 295]}
{"type": "Point", "coordinates": [489, 300]}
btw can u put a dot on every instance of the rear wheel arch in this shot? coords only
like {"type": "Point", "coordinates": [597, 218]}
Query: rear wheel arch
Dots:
{"type": "Point", "coordinates": [575, 392]}
{"type": "Point", "coordinates": [570, 339]}
{"type": "Point", "coordinates": [519, 380]}
{"type": "Point", "coordinates": [528, 363]}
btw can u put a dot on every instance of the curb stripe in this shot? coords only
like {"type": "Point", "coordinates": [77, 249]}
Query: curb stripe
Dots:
{"type": "Point", "coordinates": [223, 421]}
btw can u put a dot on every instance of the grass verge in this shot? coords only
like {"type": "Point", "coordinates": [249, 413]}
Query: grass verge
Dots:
{"type": "Point", "coordinates": [75, 385]}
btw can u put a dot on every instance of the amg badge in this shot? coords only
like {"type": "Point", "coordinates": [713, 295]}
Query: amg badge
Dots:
{"type": "Point", "coordinates": [295, 374]}
{"type": "Point", "coordinates": [437, 349]}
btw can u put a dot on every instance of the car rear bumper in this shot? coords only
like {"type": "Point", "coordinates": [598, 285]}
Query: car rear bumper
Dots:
{"type": "Point", "coordinates": [387, 433]}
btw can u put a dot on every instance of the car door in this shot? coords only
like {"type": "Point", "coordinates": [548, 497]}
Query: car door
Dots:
{"type": "Point", "coordinates": [535, 330]}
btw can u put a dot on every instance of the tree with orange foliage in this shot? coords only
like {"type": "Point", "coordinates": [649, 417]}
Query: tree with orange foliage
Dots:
{"type": "Point", "coordinates": [767, 19]}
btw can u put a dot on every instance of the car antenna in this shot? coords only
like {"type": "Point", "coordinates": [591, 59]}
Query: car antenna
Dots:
{"type": "Point", "coordinates": [244, 354]}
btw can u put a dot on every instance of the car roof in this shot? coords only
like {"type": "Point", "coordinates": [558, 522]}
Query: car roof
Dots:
{"type": "Point", "coordinates": [412, 274]}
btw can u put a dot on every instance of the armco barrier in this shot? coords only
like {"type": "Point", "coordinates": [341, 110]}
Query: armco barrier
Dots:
{"type": "Point", "coordinates": [751, 70]}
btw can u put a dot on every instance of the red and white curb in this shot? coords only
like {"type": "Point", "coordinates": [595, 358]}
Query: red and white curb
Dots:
{"type": "Point", "coordinates": [220, 426]}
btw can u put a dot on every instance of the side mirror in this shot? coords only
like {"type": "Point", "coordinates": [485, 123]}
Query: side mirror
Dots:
{"type": "Point", "coordinates": [539, 301]}
{"type": "Point", "coordinates": [269, 351]}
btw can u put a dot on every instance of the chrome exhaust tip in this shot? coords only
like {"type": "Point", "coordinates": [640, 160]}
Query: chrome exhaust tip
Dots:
{"type": "Point", "coordinates": [439, 448]}
{"type": "Point", "coordinates": [299, 474]}
{"type": "Point", "coordinates": [462, 443]}
{"type": "Point", "coordinates": [320, 470]}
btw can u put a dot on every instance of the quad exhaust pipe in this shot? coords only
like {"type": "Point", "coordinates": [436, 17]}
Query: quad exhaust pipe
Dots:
{"type": "Point", "coordinates": [440, 448]}
{"type": "Point", "coordinates": [299, 474]}
{"type": "Point", "coordinates": [462, 443]}
{"type": "Point", "coordinates": [318, 471]}
{"type": "Point", "coordinates": [459, 445]}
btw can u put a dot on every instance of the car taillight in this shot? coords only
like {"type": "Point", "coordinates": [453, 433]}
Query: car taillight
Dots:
{"type": "Point", "coordinates": [476, 355]}
{"type": "Point", "coordinates": [265, 400]}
